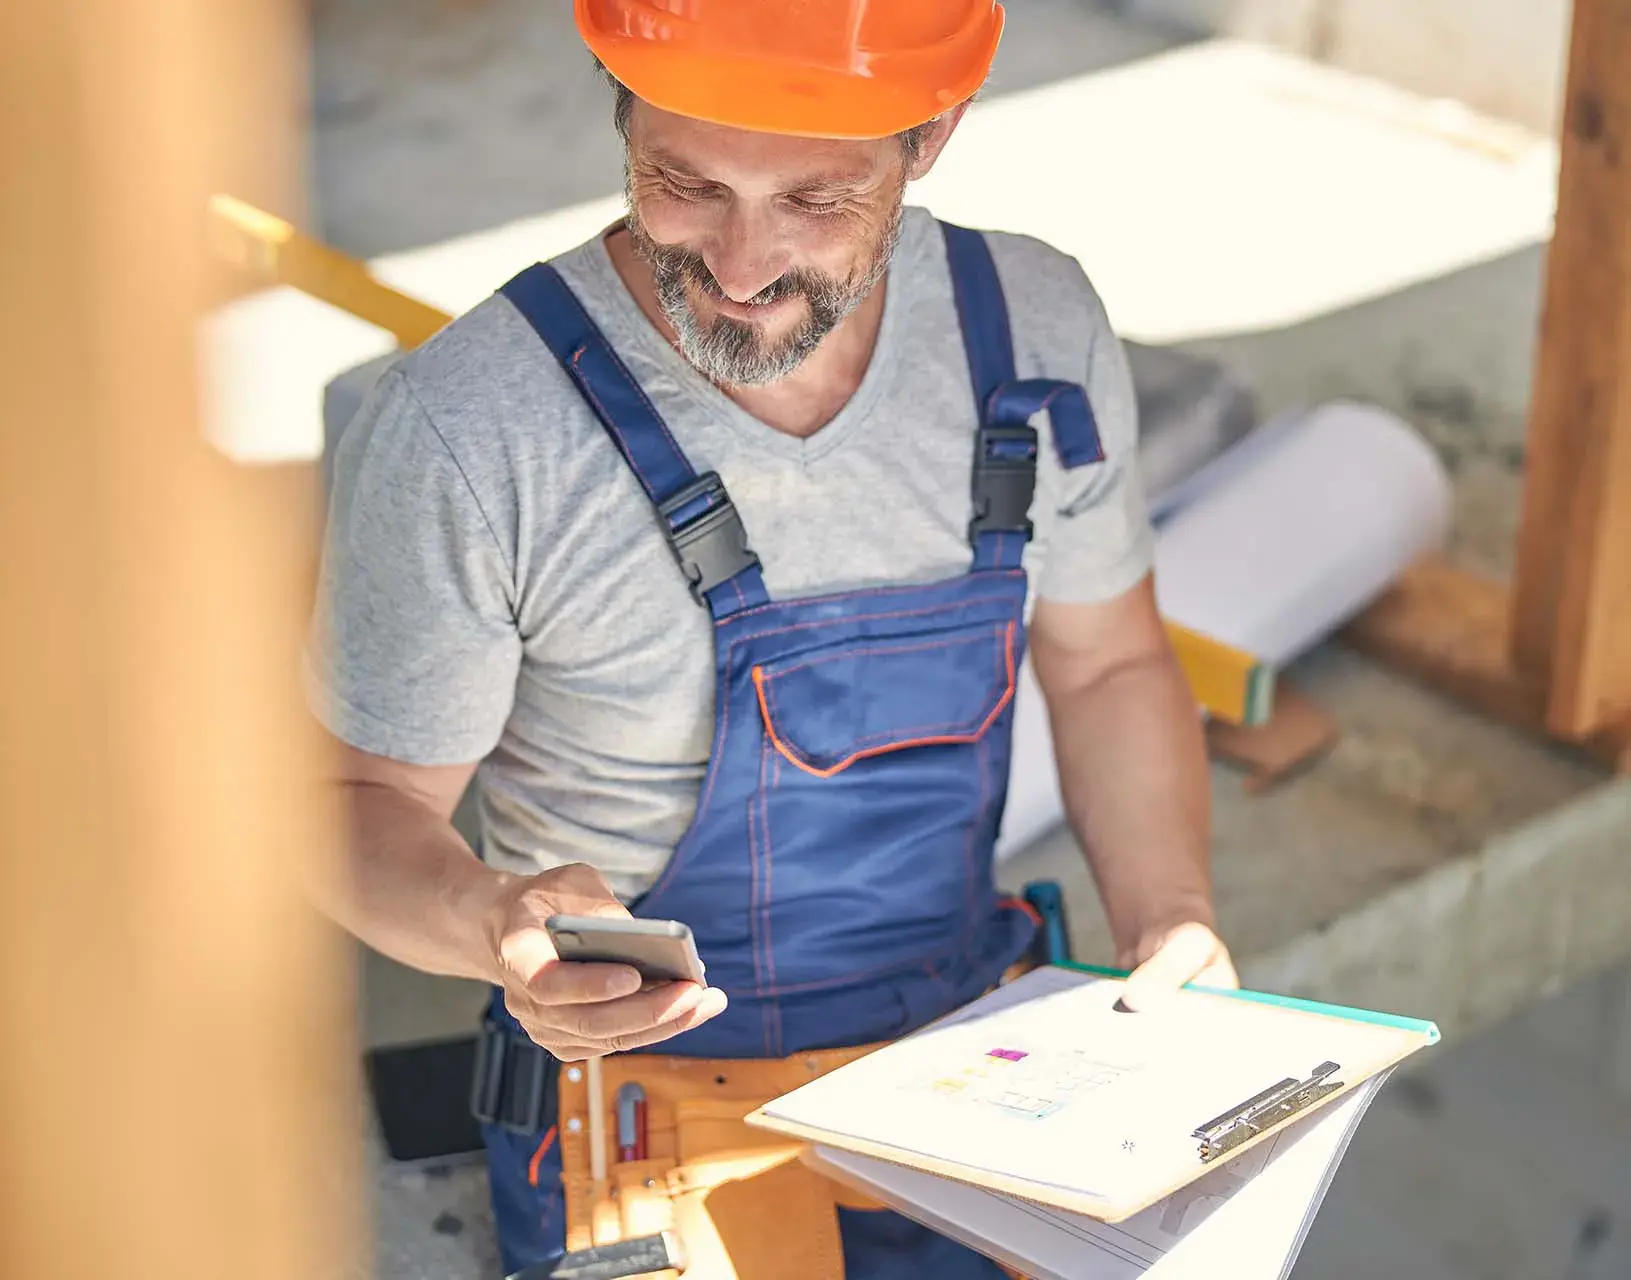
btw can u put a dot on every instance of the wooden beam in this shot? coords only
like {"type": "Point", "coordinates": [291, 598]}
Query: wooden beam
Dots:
{"type": "Point", "coordinates": [1451, 630]}
{"type": "Point", "coordinates": [177, 1074]}
{"type": "Point", "coordinates": [275, 251]}
{"type": "Point", "coordinates": [1572, 586]}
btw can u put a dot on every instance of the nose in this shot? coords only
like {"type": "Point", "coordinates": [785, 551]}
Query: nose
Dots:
{"type": "Point", "coordinates": [747, 256]}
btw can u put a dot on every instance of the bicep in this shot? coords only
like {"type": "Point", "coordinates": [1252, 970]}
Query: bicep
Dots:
{"type": "Point", "coordinates": [1076, 645]}
{"type": "Point", "coordinates": [438, 787]}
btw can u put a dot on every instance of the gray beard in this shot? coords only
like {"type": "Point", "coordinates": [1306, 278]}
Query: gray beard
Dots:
{"type": "Point", "coordinates": [732, 352]}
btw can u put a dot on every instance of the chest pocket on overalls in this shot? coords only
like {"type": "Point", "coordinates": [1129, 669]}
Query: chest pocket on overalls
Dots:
{"type": "Point", "coordinates": [826, 711]}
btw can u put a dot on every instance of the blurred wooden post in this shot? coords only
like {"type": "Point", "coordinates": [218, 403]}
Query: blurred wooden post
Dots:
{"type": "Point", "coordinates": [1552, 651]}
{"type": "Point", "coordinates": [1571, 592]}
{"type": "Point", "coordinates": [177, 1079]}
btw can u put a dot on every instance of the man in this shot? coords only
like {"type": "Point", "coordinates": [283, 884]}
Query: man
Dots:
{"type": "Point", "coordinates": [710, 551]}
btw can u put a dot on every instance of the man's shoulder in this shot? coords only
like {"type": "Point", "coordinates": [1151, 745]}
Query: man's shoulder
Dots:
{"type": "Point", "coordinates": [485, 381]}
{"type": "Point", "coordinates": [485, 352]}
{"type": "Point", "coordinates": [1039, 275]}
{"type": "Point", "coordinates": [1040, 279]}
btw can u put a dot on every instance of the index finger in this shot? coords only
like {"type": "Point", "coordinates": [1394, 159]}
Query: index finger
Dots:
{"type": "Point", "coordinates": [1187, 952]}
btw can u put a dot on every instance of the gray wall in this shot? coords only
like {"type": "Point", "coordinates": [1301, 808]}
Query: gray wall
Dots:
{"type": "Point", "coordinates": [1503, 57]}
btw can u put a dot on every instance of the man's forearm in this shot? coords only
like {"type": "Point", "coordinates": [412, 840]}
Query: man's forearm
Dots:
{"type": "Point", "coordinates": [1137, 792]}
{"type": "Point", "coordinates": [411, 888]}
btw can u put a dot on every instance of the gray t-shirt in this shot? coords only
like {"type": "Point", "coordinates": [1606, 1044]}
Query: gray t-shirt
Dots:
{"type": "Point", "coordinates": [496, 586]}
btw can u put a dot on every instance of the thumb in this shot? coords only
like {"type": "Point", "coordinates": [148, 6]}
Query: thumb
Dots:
{"type": "Point", "coordinates": [1183, 954]}
{"type": "Point", "coordinates": [527, 951]}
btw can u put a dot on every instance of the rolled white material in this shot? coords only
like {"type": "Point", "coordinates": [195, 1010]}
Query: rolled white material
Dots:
{"type": "Point", "coordinates": [1271, 547]}
{"type": "Point", "coordinates": [1286, 536]}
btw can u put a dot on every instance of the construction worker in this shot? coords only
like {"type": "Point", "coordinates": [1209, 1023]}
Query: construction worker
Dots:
{"type": "Point", "coordinates": [711, 550]}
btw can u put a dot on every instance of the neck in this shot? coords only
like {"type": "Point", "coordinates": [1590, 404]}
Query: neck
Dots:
{"type": "Point", "coordinates": [808, 398]}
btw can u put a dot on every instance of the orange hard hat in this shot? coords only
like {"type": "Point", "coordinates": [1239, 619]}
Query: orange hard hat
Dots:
{"type": "Point", "coordinates": [817, 68]}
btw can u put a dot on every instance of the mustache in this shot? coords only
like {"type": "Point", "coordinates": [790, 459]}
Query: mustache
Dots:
{"type": "Point", "coordinates": [672, 263]}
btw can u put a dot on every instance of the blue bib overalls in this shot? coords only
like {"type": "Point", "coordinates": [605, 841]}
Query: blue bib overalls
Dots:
{"type": "Point", "coordinates": [838, 871]}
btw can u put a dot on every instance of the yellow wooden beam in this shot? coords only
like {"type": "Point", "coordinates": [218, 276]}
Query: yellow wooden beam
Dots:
{"type": "Point", "coordinates": [269, 247]}
{"type": "Point", "coordinates": [1230, 684]}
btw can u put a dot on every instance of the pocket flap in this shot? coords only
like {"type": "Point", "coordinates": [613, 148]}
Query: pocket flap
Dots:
{"type": "Point", "coordinates": [825, 712]}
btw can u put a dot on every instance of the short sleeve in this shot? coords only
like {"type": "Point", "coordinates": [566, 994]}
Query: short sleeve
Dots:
{"type": "Point", "coordinates": [413, 651]}
{"type": "Point", "coordinates": [1102, 541]}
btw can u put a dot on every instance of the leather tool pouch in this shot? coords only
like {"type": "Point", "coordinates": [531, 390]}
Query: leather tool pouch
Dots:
{"type": "Point", "coordinates": [742, 1202]}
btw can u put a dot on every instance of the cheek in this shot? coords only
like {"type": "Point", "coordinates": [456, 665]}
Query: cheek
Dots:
{"type": "Point", "coordinates": [837, 245]}
{"type": "Point", "coordinates": [671, 221]}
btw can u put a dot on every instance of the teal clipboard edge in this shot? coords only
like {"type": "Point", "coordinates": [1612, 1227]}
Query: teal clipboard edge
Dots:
{"type": "Point", "coordinates": [1428, 1029]}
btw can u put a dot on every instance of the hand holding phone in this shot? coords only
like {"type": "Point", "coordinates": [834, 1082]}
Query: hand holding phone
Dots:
{"type": "Point", "coordinates": [658, 950]}
{"type": "Point", "coordinates": [611, 990]}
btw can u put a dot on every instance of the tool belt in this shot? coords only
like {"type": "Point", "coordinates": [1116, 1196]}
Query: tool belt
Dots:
{"type": "Point", "coordinates": [743, 1203]}
{"type": "Point", "coordinates": [741, 1200]}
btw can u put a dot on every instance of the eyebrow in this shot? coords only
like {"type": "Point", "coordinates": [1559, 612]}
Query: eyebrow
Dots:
{"type": "Point", "coordinates": [814, 185]}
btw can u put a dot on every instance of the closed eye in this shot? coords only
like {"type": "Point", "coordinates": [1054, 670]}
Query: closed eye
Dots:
{"type": "Point", "coordinates": [682, 189]}
{"type": "Point", "coordinates": [814, 206]}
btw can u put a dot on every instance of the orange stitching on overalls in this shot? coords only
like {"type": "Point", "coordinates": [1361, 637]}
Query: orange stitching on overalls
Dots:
{"type": "Point", "coordinates": [890, 735]}
{"type": "Point", "coordinates": [1019, 904]}
{"type": "Point", "coordinates": [754, 889]}
{"type": "Point", "coordinates": [675, 862]}
{"type": "Point", "coordinates": [768, 895]}
{"type": "Point", "coordinates": [775, 784]}
{"type": "Point", "coordinates": [945, 740]}
{"type": "Point", "coordinates": [538, 1155]}
{"type": "Point", "coordinates": [983, 756]}
{"type": "Point", "coordinates": [944, 642]}
{"type": "Point", "coordinates": [1059, 446]}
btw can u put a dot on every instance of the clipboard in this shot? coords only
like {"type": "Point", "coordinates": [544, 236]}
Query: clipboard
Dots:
{"type": "Point", "coordinates": [1289, 1098]}
{"type": "Point", "coordinates": [1215, 1135]}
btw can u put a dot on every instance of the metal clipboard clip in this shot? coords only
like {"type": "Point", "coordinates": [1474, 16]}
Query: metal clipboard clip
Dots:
{"type": "Point", "coordinates": [1273, 1106]}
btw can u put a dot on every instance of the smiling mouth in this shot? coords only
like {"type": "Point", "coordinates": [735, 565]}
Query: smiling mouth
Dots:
{"type": "Point", "coordinates": [748, 310]}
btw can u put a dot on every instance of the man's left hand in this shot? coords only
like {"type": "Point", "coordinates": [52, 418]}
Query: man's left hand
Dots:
{"type": "Point", "coordinates": [1168, 959]}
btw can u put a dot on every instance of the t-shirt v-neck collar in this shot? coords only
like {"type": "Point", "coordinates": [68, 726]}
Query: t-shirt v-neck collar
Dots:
{"type": "Point", "coordinates": [634, 325]}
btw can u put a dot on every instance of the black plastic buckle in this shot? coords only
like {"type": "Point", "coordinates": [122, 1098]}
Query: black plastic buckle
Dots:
{"type": "Point", "coordinates": [510, 1084]}
{"type": "Point", "coordinates": [1004, 480]}
{"type": "Point", "coordinates": [712, 546]}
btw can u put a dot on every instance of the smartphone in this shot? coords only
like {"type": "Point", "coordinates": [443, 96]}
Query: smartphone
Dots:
{"type": "Point", "coordinates": [660, 950]}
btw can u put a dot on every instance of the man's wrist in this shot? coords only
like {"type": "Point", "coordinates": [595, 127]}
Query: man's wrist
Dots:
{"type": "Point", "coordinates": [482, 916]}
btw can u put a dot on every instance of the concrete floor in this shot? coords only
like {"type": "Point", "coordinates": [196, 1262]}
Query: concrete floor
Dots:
{"type": "Point", "coordinates": [437, 118]}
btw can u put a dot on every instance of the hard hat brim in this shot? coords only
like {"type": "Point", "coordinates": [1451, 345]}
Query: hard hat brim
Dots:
{"type": "Point", "coordinates": [803, 101]}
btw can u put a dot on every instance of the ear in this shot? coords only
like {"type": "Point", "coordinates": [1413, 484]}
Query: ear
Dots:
{"type": "Point", "coordinates": [935, 140]}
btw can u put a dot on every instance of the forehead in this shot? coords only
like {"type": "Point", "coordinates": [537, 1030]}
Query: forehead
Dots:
{"type": "Point", "coordinates": [745, 160]}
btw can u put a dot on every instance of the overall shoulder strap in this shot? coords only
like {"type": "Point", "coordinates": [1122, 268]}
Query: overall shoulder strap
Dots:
{"type": "Point", "coordinates": [1005, 449]}
{"type": "Point", "coordinates": [701, 523]}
